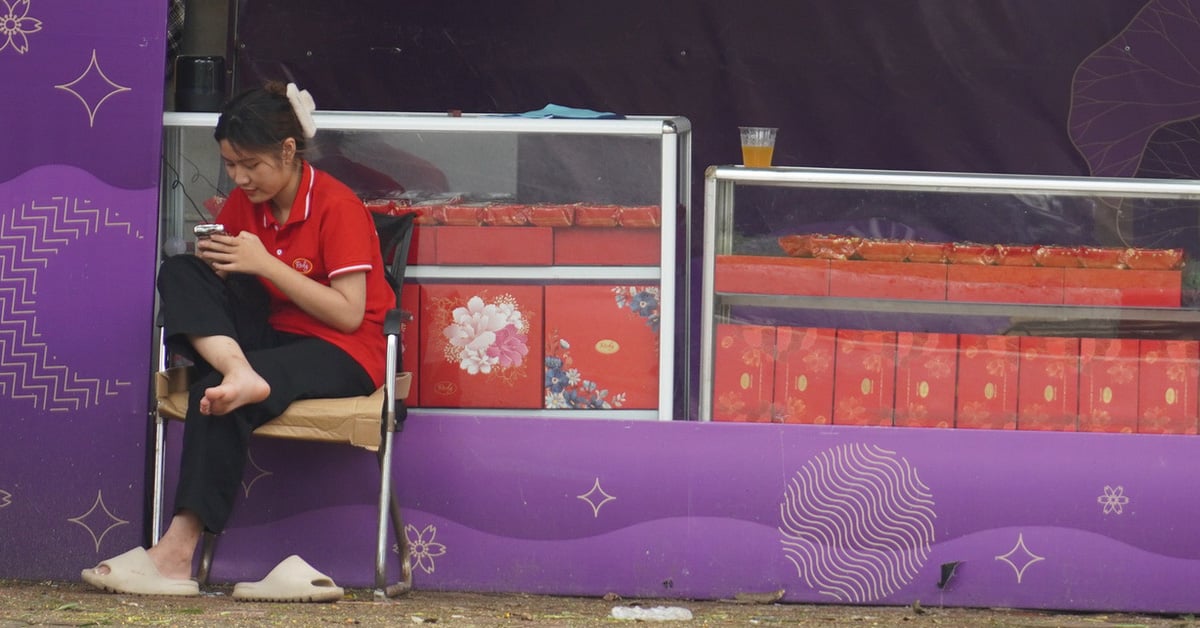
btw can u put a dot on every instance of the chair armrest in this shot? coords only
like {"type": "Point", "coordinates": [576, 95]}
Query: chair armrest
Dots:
{"type": "Point", "coordinates": [394, 320]}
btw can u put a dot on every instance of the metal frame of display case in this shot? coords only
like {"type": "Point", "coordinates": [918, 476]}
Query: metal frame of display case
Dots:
{"type": "Point", "coordinates": [721, 181]}
{"type": "Point", "coordinates": [675, 192]}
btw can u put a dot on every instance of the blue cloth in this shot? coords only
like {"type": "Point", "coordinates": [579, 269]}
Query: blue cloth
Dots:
{"type": "Point", "coordinates": [559, 111]}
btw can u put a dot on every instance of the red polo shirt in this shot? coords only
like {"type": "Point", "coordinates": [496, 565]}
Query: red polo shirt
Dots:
{"type": "Point", "coordinates": [328, 232]}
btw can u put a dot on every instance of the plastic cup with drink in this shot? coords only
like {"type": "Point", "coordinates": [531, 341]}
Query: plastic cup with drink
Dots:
{"type": "Point", "coordinates": [758, 145]}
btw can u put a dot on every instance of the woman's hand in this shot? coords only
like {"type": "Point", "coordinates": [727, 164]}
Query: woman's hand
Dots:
{"type": "Point", "coordinates": [243, 253]}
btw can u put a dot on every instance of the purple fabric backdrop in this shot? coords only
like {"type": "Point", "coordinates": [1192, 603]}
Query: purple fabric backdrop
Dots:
{"type": "Point", "coordinates": [80, 113]}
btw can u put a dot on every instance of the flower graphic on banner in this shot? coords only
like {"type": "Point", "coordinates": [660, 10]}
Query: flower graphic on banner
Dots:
{"type": "Point", "coordinates": [16, 25]}
{"type": "Point", "coordinates": [487, 336]}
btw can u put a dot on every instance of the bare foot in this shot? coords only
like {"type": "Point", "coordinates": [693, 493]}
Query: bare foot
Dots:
{"type": "Point", "coordinates": [239, 387]}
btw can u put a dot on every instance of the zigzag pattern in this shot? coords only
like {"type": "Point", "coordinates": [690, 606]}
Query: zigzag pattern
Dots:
{"type": "Point", "coordinates": [30, 237]}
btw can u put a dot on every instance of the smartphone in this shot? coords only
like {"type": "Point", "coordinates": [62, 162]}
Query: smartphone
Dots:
{"type": "Point", "coordinates": [205, 230]}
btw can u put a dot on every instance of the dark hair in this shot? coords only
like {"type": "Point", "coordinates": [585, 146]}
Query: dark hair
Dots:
{"type": "Point", "coordinates": [260, 119]}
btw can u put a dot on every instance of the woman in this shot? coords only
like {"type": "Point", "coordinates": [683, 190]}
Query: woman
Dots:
{"type": "Point", "coordinates": [289, 303]}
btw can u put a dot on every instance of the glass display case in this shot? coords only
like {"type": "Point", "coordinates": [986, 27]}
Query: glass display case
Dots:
{"type": "Point", "coordinates": [544, 272]}
{"type": "Point", "coordinates": [948, 300]}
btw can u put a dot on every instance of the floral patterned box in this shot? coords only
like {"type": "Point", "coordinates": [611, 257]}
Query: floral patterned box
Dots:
{"type": "Point", "coordinates": [743, 373]}
{"type": "Point", "coordinates": [481, 346]}
{"type": "Point", "coordinates": [987, 382]}
{"type": "Point", "coordinates": [926, 372]}
{"type": "Point", "coordinates": [601, 349]}
{"type": "Point", "coordinates": [1108, 384]}
{"type": "Point", "coordinates": [1048, 384]}
{"type": "Point", "coordinates": [864, 383]}
{"type": "Point", "coordinates": [1167, 386]}
{"type": "Point", "coordinates": [804, 359]}
{"type": "Point", "coordinates": [575, 246]}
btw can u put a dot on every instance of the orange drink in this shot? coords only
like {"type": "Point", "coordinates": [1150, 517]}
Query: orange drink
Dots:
{"type": "Point", "coordinates": [758, 145]}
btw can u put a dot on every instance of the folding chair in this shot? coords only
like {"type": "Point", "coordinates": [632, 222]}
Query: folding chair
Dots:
{"type": "Point", "coordinates": [368, 422]}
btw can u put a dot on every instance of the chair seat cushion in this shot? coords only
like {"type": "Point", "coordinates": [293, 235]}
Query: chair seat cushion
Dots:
{"type": "Point", "coordinates": [351, 420]}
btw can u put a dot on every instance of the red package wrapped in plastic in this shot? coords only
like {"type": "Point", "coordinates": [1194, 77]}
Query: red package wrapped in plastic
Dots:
{"type": "Point", "coordinates": [1153, 259]}
{"type": "Point", "coordinates": [1058, 256]}
{"type": "Point", "coordinates": [641, 217]}
{"type": "Point", "coordinates": [927, 252]}
{"type": "Point", "coordinates": [1017, 255]}
{"type": "Point", "coordinates": [821, 246]}
{"type": "Point", "coordinates": [458, 215]}
{"type": "Point", "coordinates": [552, 215]}
{"type": "Point", "coordinates": [880, 250]}
{"type": "Point", "coordinates": [597, 216]}
{"type": "Point", "coordinates": [972, 253]}
{"type": "Point", "coordinates": [1102, 257]}
{"type": "Point", "coordinates": [505, 215]}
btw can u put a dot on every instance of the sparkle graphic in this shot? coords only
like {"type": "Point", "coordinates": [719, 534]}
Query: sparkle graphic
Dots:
{"type": "Point", "coordinates": [16, 25]}
{"type": "Point", "coordinates": [596, 497]}
{"type": "Point", "coordinates": [1113, 499]}
{"type": "Point", "coordinates": [422, 547]}
{"type": "Point", "coordinates": [258, 473]}
{"type": "Point", "coordinates": [93, 86]}
{"type": "Point", "coordinates": [96, 517]}
{"type": "Point", "coordinates": [5, 498]}
{"type": "Point", "coordinates": [1020, 554]}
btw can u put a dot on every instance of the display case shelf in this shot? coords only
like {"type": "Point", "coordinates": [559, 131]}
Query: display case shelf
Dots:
{"type": "Point", "coordinates": [633, 173]}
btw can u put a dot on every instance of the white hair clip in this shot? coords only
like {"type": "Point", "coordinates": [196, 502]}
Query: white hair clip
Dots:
{"type": "Point", "coordinates": [303, 105]}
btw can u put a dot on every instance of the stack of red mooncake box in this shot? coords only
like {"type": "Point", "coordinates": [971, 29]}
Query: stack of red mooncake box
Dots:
{"type": "Point", "coordinates": [884, 378]}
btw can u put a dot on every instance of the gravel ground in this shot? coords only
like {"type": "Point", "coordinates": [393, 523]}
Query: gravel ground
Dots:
{"type": "Point", "coordinates": [74, 604]}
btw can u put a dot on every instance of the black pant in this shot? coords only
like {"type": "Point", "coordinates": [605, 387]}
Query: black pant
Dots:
{"type": "Point", "coordinates": [197, 302]}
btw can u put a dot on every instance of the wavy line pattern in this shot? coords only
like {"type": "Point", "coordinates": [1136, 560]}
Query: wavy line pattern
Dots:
{"type": "Point", "coordinates": [30, 237]}
{"type": "Point", "coordinates": [857, 522]}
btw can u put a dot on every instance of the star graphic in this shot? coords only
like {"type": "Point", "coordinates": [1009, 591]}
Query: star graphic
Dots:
{"type": "Point", "coordinates": [596, 497]}
{"type": "Point", "coordinates": [5, 498]}
{"type": "Point", "coordinates": [93, 87]}
{"type": "Point", "coordinates": [1021, 554]}
{"type": "Point", "coordinates": [260, 474]}
{"type": "Point", "coordinates": [94, 512]}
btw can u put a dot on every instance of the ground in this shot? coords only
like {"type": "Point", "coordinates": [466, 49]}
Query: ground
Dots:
{"type": "Point", "coordinates": [73, 604]}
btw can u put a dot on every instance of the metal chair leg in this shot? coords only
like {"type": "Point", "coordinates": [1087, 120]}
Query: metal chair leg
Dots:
{"type": "Point", "coordinates": [208, 546]}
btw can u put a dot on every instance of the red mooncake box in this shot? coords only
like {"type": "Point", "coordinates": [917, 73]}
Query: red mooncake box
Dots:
{"type": "Point", "coordinates": [601, 347]}
{"type": "Point", "coordinates": [926, 375]}
{"type": "Point", "coordinates": [1004, 284]}
{"type": "Point", "coordinates": [481, 346]}
{"type": "Point", "coordinates": [988, 366]}
{"type": "Point", "coordinates": [1108, 384]}
{"type": "Point", "coordinates": [743, 373]}
{"type": "Point", "coordinates": [804, 360]}
{"type": "Point", "coordinates": [887, 280]}
{"type": "Point", "coordinates": [505, 215]}
{"type": "Point", "coordinates": [1048, 389]}
{"type": "Point", "coordinates": [864, 377]}
{"type": "Point", "coordinates": [495, 246]}
{"type": "Point", "coordinates": [1168, 377]}
{"type": "Point", "coordinates": [752, 274]}
{"type": "Point", "coordinates": [1123, 288]}
{"type": "Point", "coordinates": [821, 246]}
{"type": "Point", "coordinates": [607, 247]}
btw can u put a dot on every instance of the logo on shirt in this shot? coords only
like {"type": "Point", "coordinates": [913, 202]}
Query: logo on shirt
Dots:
{"type": "Point", "coordinates": [302, 264]}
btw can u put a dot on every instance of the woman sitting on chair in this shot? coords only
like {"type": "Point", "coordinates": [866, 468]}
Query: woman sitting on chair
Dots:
{"type": "Point", "coordinates": [288, 303]}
